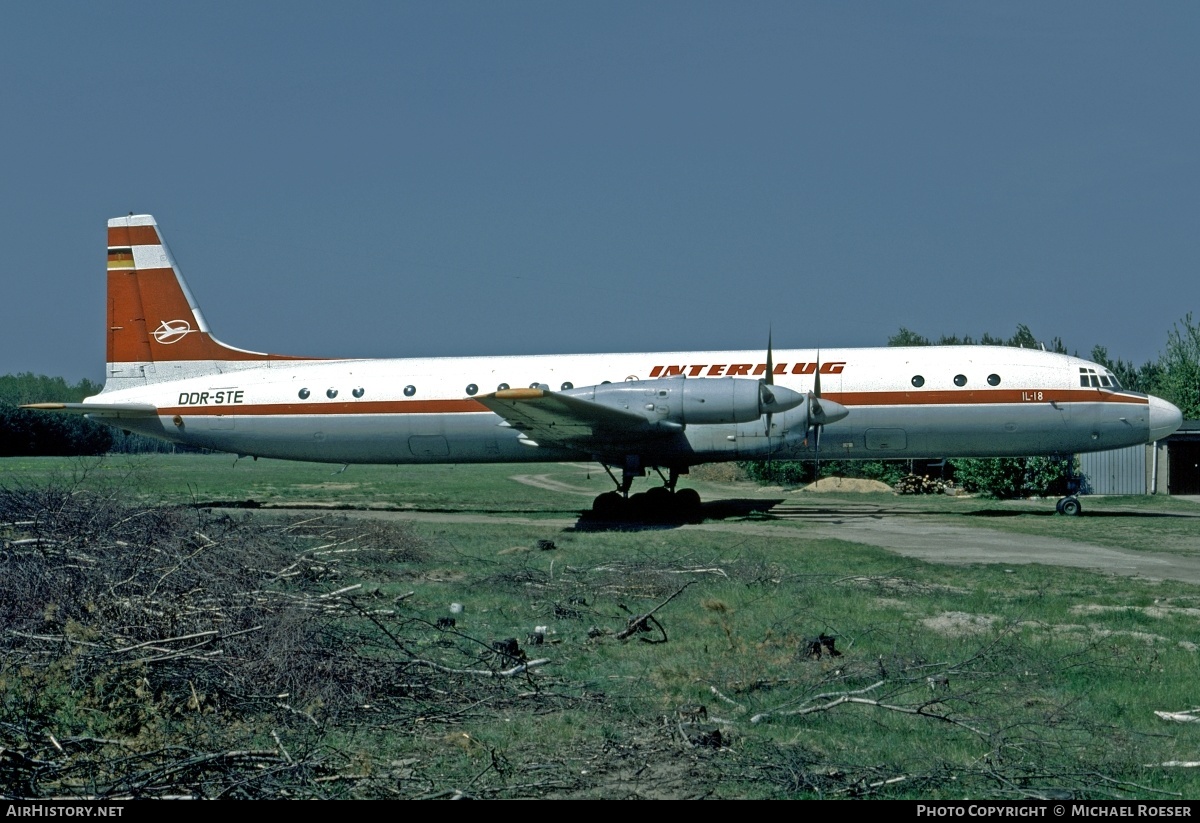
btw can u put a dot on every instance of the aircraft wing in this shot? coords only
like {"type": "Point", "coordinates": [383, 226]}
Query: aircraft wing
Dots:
{"type": "Point", "coordinates": [553, 419]}
{"type": "Point", "coordinates": [98, 410]}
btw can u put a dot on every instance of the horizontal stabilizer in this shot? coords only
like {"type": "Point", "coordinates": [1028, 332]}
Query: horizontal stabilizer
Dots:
{"type": "Point", "coordinates": [107, 410]}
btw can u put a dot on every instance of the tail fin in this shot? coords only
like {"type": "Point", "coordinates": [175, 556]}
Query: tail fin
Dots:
{"type": "Point", "coordinates": [155, 329]}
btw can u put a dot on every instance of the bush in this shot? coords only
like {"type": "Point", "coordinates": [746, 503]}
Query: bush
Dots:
{"type": "Point", "coordinates": [1009, 477]}
{"type": "Point", "coordinates": [800, 472]}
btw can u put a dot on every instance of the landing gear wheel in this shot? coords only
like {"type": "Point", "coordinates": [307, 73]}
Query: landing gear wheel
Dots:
{"type": "Point", "coordinates": [658, 498]}
{"type": "Point", "coordinates": [609, 506]}
{"type": "Point", "coordinates": [1069, 506]}
{"type": "Point", "coordinates": [687, 504]}
{"type": "Point", "coordinates": [636, 508]}
{"type": "Point", "coordinates": [657, 504]}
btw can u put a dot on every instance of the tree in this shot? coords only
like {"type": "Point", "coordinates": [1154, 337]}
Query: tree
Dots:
{"type": "Point", "coordinates": [26, 434]}
{"type": "Point", "coordinates": [1023, 338]}
{"type": "Point", "coordinates": [908, 337]}
{"type": "Point", "coordinates": [1178, 379]}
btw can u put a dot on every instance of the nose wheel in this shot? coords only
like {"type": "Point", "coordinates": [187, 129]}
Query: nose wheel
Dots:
{"type": "Point", "coordinates": [1069, 506]}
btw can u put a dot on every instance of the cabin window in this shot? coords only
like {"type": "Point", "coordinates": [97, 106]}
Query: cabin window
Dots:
{"type": "Point", "coordinates": [568, 385]}
{"type": "Point", "coordinates": [331, 393]}
{"type": "Point", "coordinates": [502, 387]}
{"type": "Point", "coordinates": [960, 380]}
{"type": "Point", "coordinates": [472, 389]}
{"type": "Point", "coordinates": [918, 381]}
{"type": "Point", "coordinates": [359, 392]}
{"type": "Point", "coordinates": [409, 391]}
{"type": "Point", "coordinates": [993, 380]}
{"type": "Point", "coordinates": [304, 394]}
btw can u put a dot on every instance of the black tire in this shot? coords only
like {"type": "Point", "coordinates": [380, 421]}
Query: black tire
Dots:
{"type": "Point", "coordinates": [1071, 507]}
{"type": "Point", "coordinates": [658, 504]}
{"type": "Point", "coordinates": [687, 504]}
{"type": "Point", "coordinates": [609, 506]}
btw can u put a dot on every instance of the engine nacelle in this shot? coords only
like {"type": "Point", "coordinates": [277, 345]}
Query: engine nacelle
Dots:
{"type": "Point", "coordinates": [697, 400]}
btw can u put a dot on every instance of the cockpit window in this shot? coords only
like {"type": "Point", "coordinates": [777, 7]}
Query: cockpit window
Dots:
{"type": "Point", "coordinates": [1116, 384]}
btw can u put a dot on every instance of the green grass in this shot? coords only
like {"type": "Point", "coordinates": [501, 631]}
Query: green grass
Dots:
{"type": "Point", "coordinates": [1053, 674]}
{"type": "Point", "coordinates": [206, 478]}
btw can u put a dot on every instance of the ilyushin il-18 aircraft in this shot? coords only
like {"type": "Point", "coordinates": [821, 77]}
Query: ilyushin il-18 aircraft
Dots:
{"type": "Point", "coordinates": [168, 377]}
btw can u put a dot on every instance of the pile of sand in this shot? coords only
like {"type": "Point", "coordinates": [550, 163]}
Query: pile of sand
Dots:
{"type": "Point", "coordinates": [846, 484]}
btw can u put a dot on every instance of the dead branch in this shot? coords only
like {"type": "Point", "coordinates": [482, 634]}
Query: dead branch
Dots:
{"type": "Point", "coordinates": [209, 633]}
{"type": "Point", "coordinates": [717, 694]}
{"type": "Point", "coordinates": [638, 624]}
{"type": "Point", "coordinates": [849, 697]}
{"type": "Point", "coordinates": [515, 670]}
{"type": "Point", "coordinates": [839, 698]}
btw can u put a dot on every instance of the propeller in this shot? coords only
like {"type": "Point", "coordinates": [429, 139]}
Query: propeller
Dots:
{"type": "Point", "coordinates": [816, 417]}
{"type": "Point", "coordinates": [765, 394]}
{"type": "Point", "coordinates": [773, 399]}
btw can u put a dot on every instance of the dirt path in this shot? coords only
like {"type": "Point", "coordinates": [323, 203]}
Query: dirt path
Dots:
{"type": "Point", "coordinates": [547, 482]}
{"type": "Point", "coordinates": [915, 537]}
{"type": "Point", "coordinates": [897, 532]}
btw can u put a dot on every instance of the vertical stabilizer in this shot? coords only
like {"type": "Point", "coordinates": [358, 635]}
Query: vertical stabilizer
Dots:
{"type": "Point", "coordinates": [155, 329]}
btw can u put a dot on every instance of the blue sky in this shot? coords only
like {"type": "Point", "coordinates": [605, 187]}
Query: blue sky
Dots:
{"type": "Point", "coordinates": [395, 179]}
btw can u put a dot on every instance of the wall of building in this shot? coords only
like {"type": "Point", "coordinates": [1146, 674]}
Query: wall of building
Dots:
{"type": "Point", "coordinates": [1120, 471]}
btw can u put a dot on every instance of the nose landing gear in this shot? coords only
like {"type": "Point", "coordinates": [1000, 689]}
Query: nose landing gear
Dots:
{"type": "Point", "coordinates": [1070, 504]}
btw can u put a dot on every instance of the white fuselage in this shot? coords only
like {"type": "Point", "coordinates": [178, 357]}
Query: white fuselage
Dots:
{"type": "Point", "coordinates": [1011, 402]}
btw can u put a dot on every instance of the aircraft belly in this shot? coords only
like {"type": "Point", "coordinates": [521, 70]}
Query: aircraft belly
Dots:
{"type": "Point", "coordinates": [870, 432]}
{"type": "Point", "coordinates": [994, 430]}
{"type": "Point", "coordinates": [388, 439]}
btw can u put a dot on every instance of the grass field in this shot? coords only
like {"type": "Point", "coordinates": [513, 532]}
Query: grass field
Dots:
{"type": "Point", "coordinates": [982, 680]}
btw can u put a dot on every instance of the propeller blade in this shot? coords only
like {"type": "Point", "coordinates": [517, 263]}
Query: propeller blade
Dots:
{"type": "Point", "coordinates": [770, 378]}
{"type": "Point", "coordinates": [767, 396]}
{"type": "Point", "coordinates": [816, 414]}
{"type": "Point", "coordinates": [817, 451]}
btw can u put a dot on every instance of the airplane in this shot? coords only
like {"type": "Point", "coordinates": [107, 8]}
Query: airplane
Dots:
{"type": "Point", "coordinates": [168, 377]}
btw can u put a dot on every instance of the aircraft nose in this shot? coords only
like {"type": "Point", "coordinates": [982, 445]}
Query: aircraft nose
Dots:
{"type": "Point", "coordinates": [1165, 418]}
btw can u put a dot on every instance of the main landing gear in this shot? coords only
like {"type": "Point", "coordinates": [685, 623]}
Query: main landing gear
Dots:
{"type": "Point", "coordinates": [662, 504]}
